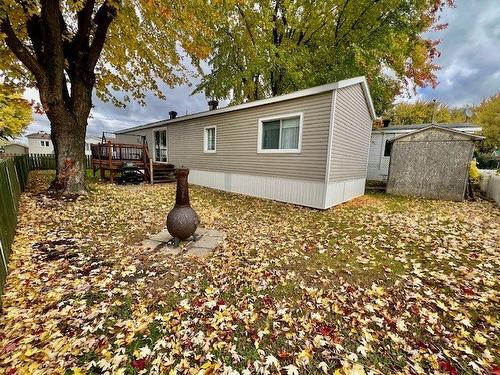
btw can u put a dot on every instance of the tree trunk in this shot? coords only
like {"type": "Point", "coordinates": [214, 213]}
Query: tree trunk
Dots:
{"type": "Point", "coordinates": [68, 137]}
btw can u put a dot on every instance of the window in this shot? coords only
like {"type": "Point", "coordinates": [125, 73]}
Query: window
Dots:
{"type": "Point", "coordinates": [44, 143]}
{"type": "Point", "coordinates": [280, 134]}
{"type": "Point", "coordinates": [160, 145]}
{"type": "Point", "coordinates": [388, 148]}
{"type": "Point", "coordinates": [210, 139]}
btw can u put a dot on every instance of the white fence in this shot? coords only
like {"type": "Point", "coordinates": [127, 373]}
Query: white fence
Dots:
{"type": "Point", "coordinates": [490, 185]}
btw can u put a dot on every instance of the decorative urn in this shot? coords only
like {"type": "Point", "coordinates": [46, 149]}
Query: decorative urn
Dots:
{"type": "Point", "coordinates": [182, 220]}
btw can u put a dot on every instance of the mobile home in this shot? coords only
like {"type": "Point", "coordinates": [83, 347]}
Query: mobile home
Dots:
{"type": "Point", "coordinates": [308, 147]}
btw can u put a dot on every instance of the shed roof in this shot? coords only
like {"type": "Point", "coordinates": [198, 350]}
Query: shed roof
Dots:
{"type": "Point", "coordinates": [5, 142]}
{"type": "Point", "coordinates": [442, 128]}
{"type": "Point", "coordinates": [297, 94]}
{"type": "Point", "coordinates": [458, 125]}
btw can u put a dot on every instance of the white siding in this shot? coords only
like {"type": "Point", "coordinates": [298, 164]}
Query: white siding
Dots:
{"type": "Point", "coordinates": [35, 146]}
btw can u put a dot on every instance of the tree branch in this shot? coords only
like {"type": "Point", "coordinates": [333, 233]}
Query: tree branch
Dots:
{"type": "Point", "coordinates": [20, 51]}
{"type": "Point", "coordinates": [102, 19]}
{"type": "Point", "coordinates": [84, 17]}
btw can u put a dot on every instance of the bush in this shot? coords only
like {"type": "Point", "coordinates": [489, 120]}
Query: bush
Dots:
{"type": "Point", "coordinates": [474, 174]}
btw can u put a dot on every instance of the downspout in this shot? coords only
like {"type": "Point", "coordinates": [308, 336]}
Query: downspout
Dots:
{"type": "Point", "coordinates": [330, 142]}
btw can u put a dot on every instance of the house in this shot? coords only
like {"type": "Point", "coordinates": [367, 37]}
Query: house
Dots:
{"type": "Point", "coordinates": [90, 141]}
{"type": "Point", "coordinates": [378, 162]}
{"type": "Point", "coordinates": [41, 143]}
{"type": "Point", "coordinates": [431, 162]}
{"type": "Point", "coordinates": [12, 148]}
{"type": "Point", "coordinates": [308, 147]}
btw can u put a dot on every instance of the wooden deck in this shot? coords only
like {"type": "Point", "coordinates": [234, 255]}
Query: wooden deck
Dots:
{"type": "Point", "coordinates": [110, 156]}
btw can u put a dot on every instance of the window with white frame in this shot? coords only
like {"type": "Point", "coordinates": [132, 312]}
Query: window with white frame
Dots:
{"type": "Point", "coordinates": [280, 134]}
{"type": "Point", "coordinates": [44, 143]}
{"type": "Point", "coordinates": [210, 139]}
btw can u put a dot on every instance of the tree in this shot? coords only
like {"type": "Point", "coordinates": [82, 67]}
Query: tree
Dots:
{"type": "Point", "coordinates": [487, 114]}
{"type": "Point", "coordinates": [68, 48]}
{"type": "Point", "coordinates": [422, 112]}
{"type": "Point", "coordinates": [15, 112]}
{"type": "Point", "coordinates": [271, 47]}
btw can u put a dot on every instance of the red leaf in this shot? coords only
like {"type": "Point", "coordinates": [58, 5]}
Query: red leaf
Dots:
{"type": "Point", "coordinates": [9, 347]}
{"type": "Point", "coordinates": [495, 370]}
{"type": "Point", "coordinates": [283, 354]}
{"type": "Point", "coordinates": [468, 291]}
{"type": "Point", "coordinates": [139, 364]}
{"type": "Point", "coordinates": [267, 300]}
{"type": "Point", "coordinates": [11, 371]}
{"type": "Point", "coordinates": [447, 366]}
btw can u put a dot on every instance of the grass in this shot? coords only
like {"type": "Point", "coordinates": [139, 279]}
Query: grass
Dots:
{"type": "Point", "coordinates": [383, 283]}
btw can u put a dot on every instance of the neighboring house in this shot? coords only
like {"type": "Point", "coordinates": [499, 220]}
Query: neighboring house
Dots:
{"type": "Point", "coordinates": [309, 147]}
{"type": "Point", "coordinates": [90, 141]}
{"type": "Point", "coordinates": [378, 163]}
{"type": "Point", "coordinates": [432, 162]}
{"type": "Point", "coordinates": [40, 143]}
{"type": "Point", "coordinates": [12, 148]}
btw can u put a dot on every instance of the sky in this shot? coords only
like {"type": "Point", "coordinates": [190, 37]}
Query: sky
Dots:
{"type": "Point", "coordinates": [470, 71]}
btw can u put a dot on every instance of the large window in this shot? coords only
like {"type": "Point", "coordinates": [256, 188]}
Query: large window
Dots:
{"type": "Point", "coordinates": [280, 134]}
{"type": "Point", "coordinates": [160, 145]}
{"type": "Point", "coordinates": [210, 139]}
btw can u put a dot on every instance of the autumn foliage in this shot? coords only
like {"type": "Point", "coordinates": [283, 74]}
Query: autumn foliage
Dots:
{"type": "Point", "coordinates": [381, 285]}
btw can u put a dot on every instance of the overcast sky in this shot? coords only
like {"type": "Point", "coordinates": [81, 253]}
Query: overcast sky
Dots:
{"type": "Point", "coordinates": [470, 60]}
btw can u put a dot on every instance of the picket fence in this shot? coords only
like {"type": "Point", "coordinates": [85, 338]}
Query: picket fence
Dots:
{"type": "Point", "coordinates": [13, 178]}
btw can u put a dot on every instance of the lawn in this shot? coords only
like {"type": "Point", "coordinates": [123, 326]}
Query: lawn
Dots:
{"type": "Point", "coordinates": [378, 285]}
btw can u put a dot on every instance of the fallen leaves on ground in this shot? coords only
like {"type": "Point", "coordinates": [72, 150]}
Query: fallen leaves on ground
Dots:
{"type": "Point", "coordinates": [380, 285]}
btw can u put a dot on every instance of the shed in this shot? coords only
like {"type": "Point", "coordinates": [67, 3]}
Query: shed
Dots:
{"type": "Point", "coordinates": [431, 162]}
{"type": "Point", "coordinates": [12, 148]}
{"type": "Point", "coordinates": [378, 161]}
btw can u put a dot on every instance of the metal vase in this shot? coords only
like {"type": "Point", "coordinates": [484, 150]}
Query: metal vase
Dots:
{"type": "Point", "coordinates": [182, 220]}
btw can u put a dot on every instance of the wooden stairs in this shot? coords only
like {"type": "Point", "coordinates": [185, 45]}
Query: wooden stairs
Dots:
{"type": "Point", "coordinates": [110, 156]}
{"type": "Point", "coordinates": [163, 173]}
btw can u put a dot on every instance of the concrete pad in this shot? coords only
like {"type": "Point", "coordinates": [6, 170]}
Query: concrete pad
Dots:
{"type": "Point", "coordinates": [207, 240]}
{"type": "Point", "coordinates": [163, 236]}
{"type": "Point", "coordinates": [151, 244]}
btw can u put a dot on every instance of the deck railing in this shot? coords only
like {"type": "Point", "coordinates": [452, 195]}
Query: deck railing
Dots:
{"type": "Point", "coordinates": [111, 156]}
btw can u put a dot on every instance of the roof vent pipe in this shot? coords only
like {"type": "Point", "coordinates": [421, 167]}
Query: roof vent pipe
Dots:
{"type": "Point", "coordinates": [386, 122]}
{"type": "Point", "coordinates": [212, 104]}
{"type": "Point", "coordinates": [172, 114]}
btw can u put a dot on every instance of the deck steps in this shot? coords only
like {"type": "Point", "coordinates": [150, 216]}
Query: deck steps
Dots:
{"type": "Point", "coordinates": [163, 173]}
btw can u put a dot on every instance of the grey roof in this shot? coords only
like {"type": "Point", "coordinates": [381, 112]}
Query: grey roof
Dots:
{"type": "Point", "coordinates": [39, 135]}
{"type": "Point", "coordinates": [445, 128]}
{"type": "Point", "coordinates": [297, 94]}
{"type": "Point", "coordinates": [5, 142]}
{"type": "Point", "coordinates": [458, 125]}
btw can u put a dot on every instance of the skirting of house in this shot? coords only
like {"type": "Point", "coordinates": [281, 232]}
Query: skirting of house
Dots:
{"type": "Point", "coordinates": [301, 192]}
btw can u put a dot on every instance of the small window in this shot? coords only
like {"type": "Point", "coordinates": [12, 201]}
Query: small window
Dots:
{"type": "Point", "coordinates": [280, 134]}
{"type": "Point", "coordinates": [44, 143]}
{"type": "Point", "coordinates": [388, 148]}
{"type": "Point", "coordinates": [210, 139]}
